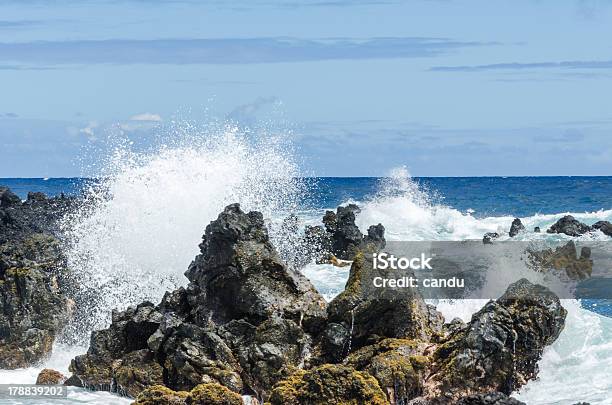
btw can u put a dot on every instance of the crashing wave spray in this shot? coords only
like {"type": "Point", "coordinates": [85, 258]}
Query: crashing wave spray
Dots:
{"type": "Point", "coordinates": [137, 231]}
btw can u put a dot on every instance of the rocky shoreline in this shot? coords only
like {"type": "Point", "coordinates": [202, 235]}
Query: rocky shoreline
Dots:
{"type": "Point", "coordinates": [248, 324]}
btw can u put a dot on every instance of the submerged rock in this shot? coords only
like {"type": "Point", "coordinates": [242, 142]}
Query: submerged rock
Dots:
{"type": "Point", "coordinates": [569, 226]}
{"type": "Point", "coordinates": [516, 227]}
{"type": "Point", "coordinates": [499, 349]}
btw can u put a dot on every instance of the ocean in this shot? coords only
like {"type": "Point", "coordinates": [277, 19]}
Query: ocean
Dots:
{"type": "Point", "coordinates": [144, 220]}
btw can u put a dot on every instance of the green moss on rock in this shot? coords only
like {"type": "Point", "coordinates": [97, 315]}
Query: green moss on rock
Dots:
{"type": "Point", "coordinates": [213, 394]}
{"type": "Point", "coordinates": [328, 385]}
{"type": "Point", "coordinates": [160, 395]}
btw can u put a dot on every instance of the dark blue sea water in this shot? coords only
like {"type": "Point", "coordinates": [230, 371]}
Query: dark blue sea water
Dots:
{"type": "Point", "coordinates": [487, 196]}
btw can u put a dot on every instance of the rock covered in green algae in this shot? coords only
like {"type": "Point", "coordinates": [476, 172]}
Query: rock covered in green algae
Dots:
{"type": "Point", "coordinates": [328, 385]}
{"type": "Point", "coordinates": [203, 394]}
{"type": "Point", "coordinates": [398, 365]}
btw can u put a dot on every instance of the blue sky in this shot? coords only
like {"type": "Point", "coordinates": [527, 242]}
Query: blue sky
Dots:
{"type": "Point", "coordinates": [447, 88]}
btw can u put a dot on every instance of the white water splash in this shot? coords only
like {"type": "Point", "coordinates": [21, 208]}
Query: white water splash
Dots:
{"type": "Point", "coordinates": [138, 231]}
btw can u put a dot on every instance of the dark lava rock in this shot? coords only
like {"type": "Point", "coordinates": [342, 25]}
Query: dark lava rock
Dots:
{"type": "Point", "coordinates": [345, 235]}
{"type": "Point", "coordinates": [372, 313]}
{"type": "Point", "coordinates": [345, 238]}
{"type": "Point", "coordinates": [500, 347]}
{"type": "Point", "coordinates": [604, 226]}
{"type": "Point", "coordinates": [38, 214]}
{"type": "Point", "coordinates": [489, 237]}
{"type": "Point", "coordinates": [33, 305]}
{"type": "Point", "coordinates": [537, 229]}
{"type": "Point", "coordinates": [569, 226]}
{"type": "Point", "coordinates": [516, 227]}
{"type": "Point", "coordinates": [243, 322]}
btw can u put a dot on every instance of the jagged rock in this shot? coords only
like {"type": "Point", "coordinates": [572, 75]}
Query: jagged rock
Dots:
{"type": "Point", "coordinates": [604, 226]}
{"type": "Point", "coordinates": [345, 238]}
{"type": "Point", "coordinates": [537, 229]}
{"type": "Point", "coordinates": [243, 321]}
{"type": "Point", "coordinates": [569, 226]}
{"type": "Point", "coordinates": [33, 305]}
{"type": "Point", "coordinates": [49, 376]}
{"type": "Point", "coordinates": [516, 227]}
{"type": "Point", "coordinates": [373, 313]}
{"type": "Point", "coordinates": [500, 347]}
{"type": "Point", "coordinates": [345, 235]}
{"type": "Point", "coordinates": [564, 258]}
{"type": "Point", "coordinates": [8, 198]}
{"type": "Point", "coordinates": [193, 354]}
{"type": "Point", "coordinates": [328, 384]}
{"type": "Point", "coordinates": [242, 277]}
{"type": "Point", "coordinates": [488, 237]}
{"type": "Point", "coordinates": [36, 215]}
{"type": "Point", "coordinates": [374, 241]}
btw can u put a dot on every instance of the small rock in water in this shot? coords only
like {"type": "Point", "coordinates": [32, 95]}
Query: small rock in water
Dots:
{"type": "Point", "coordinates": [604, 226]}
{"type": "Point", "coordinates": [537, 229]}
{"type": "Point", "coordinates": [49, 376]}
{"type": "Point", "coordinates": [569, 226]}
{"type": "Point", "coordinates": [488, 237]}
{"type": "Point", "coordinates": [516, 227]}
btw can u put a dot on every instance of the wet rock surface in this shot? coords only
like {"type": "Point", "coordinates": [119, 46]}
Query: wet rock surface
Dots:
{"type": "Point", "coordinates": [516, 227]}
{"type": "Point", "coordinates": [339, 237]}
{"type": "Point", "coordinates": [33, 304]}
{"type": "Point", "coordinates": [604, 226]}
{"type": "Point", "coordinates": [569, 226]}
{"type": "Point", "coordinates": [499, 349]}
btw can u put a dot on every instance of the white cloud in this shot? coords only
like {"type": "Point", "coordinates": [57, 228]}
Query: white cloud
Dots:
{"type": "Point", "coordinates": [89, 130]}
{"type": "Point", "coordinates": [147, 116]}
